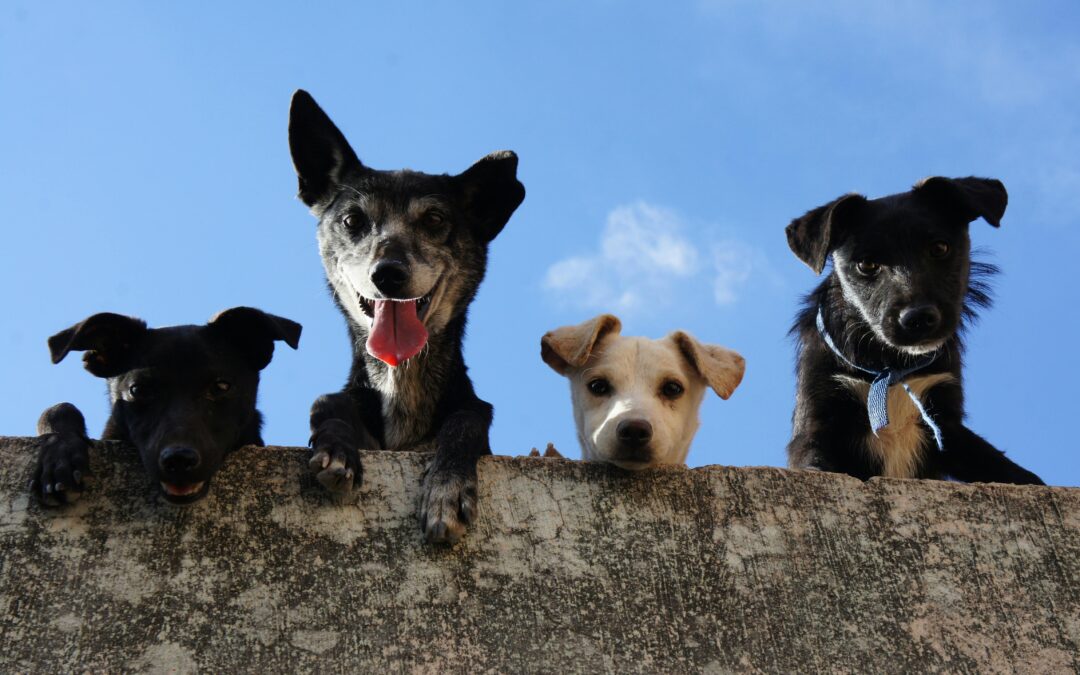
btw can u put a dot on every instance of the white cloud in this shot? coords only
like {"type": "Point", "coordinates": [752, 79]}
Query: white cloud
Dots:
{"type": "Point", "coordinates": [645, 237]}
{"type": "Point", "coordinates": [647, 257]}
{"type": "Point", "coordinates": [733, 262]}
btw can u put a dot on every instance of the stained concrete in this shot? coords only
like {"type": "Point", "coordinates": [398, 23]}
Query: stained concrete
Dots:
{"type": "Point", "coordinates": [571, 567]}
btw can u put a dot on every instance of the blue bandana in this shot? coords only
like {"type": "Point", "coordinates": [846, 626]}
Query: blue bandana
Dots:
{"type": "Point", "coordinates": [877, 401]}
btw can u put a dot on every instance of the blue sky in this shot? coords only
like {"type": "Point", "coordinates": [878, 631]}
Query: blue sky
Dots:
{"type": "Point", "coordinates": [663, 146]}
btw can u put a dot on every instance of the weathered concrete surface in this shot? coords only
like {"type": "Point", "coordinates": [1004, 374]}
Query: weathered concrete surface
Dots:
{"type": "Point", "coordinates": [571, 568]}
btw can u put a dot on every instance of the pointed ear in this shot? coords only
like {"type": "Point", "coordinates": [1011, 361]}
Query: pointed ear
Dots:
{"type": "Point", "coordinates": [570, 347]}
{"type": "Point", "coordinates": [722, 368]}
{"type": "Point", "coordinates": [812, 236]}
{"type": "Point", "coordinates": [254, 332]}
{"type": "Point", "coordinates": [491, 192]}
{"type": "Point", "coordinates": [109, 340]}
{"type": "Point", "coordinates": [321, 155]}
{"type": "Point", "coordinates": [967, 198]}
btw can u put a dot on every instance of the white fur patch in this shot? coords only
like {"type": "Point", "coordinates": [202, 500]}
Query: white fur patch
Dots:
{"type": "Point", "coordinates": [900, 445]}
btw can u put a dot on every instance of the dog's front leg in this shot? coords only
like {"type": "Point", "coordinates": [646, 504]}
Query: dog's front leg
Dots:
{"type": "Point", "coordinates": [448, 495]}
{"type": "Point", "coordinates": [63, 455]}
{"type": "Point", "coordinates": [337, 431]}
{"type": "Point", "coordinates": [972, 459]}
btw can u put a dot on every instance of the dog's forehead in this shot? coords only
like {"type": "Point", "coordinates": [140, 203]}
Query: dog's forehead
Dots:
{"type": "Point", "coordinates": [910, 207]}
{"type": "Point", "coordinates": [400, 190]}
{"type": "Point", "coordinates": [901, 215]}
{"type": "Point", "coordinates": [642, 357]}
{"type": "Point", "coordinates": [187, 350]}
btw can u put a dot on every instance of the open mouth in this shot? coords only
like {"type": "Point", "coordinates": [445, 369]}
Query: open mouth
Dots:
{"type": "Point", "coordinates": [183, 493]}
{"type": "Point", "coordinates": [422, 305]}
{"type": "Point", "coordinates": [397, 330]}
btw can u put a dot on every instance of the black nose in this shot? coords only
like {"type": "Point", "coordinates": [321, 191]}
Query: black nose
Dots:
{"type": "Point", "coordinates": [920, 320]}
{"type": "Point", "coordinates": [178, 459]}
{"type": "Point", "coordinates": [390, 276]}
{"type": "Point", "coordinates": [634, 433]}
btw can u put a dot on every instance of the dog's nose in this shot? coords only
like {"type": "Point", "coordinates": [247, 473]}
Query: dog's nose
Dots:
{"type": "Point", "coordinates": [634, 433]}
{"type": "Point", "coordinates": [390, 276]}
{"type": "Point", "coordinates": [178, 459]}
{"type": "Point", "coordinates": [920, 320]}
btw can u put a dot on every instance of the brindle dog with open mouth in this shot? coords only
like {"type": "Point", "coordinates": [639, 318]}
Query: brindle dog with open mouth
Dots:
{"type": "Point", "coordinates": [404, 253]}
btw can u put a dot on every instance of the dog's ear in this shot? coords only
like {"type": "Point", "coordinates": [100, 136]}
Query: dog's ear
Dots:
{"type": "Point", "coordinates": [570, 347]}
{"type": "Point", "coordinates": [109, 340]}
{"type": "Point", "coordinates": [722, 368]}
{"type": "Point", "coordinates": [490, 192]}
{"type": "Point", "coordinates": [254, 332]}
{"type": "Point", "coordinates": [967, 198]}
{"type": "Point", "coordinates": [812, 236]}
{"type": "Point", "coordinates": [321, 155]}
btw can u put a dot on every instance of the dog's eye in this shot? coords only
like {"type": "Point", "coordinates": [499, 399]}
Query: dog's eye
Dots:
{"type": "Point", "coordinates": [139, 390]}
{"type": "Point", "coordinates": [433, 220]}
{"type": "Point", "coordinates": [671, 389]}
{"type": "Point", "coordinates": [599, 387]}
{"type": "Point", "coordinates": [351, 221]}
{"type": "Point", "coordinates": [221, 386]}
{"type": "Point", "coordinates": [135, 390]}
{"type": "Point", "coordinates": [867, 268]}
{"type": "Point", "coordinates": [939, 249]}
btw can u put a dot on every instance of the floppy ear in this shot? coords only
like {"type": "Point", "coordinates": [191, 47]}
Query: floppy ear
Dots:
{"type": "Point", "coordinates": [321, 155]}
{"type": "Point", "coordinates": [811, 237]}
{"type": "Point", "coordinates": [254, 332]}
{"type": "Point", "coordinates": [967, 198]}
{"type": "Point", "coordinates": [722, 368]}
{"type": "Point", "coordinates": [109, 340]}
{"type": "Point", "coordinates": [570, 347]}
{"type": "Point", "coordinates": [491, 192]}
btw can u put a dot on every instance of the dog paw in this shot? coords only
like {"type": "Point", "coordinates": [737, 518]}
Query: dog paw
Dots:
{"type": "Point", "coordinates": [549, 452]}
{"type": "Point", "coordinates": [448, 505]}
{"type": "Point", "coordinates": [336, 462]}
{"type": "Point", "coordinates": [337, 468]}
{"type": "Point", "coordinates": [62, 469]}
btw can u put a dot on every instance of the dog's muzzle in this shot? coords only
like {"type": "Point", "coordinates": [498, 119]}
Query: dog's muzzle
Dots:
{"type": "Point", "coordinates": [919, 323]}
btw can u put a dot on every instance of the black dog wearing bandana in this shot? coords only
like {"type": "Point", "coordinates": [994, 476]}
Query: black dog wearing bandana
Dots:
{"type": "Point", "coordinates": [880, 346]}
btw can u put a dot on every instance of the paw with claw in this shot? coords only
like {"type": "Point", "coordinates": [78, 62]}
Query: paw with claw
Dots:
{"type": "Point", "coordinates": [335, 459]}
{"type": "Point", "coordinates": [447, 505]}
{"type": "Point", "coordinates": [63, 468]}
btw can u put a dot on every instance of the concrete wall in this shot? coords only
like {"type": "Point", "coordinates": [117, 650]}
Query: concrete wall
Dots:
{"type": "Point", "coordinates": [571, 568]}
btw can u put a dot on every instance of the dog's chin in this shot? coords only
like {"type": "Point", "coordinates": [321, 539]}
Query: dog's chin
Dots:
{"type": "Point", "coordinates": [184, 493]}
{"type": "Point", "coordinates": [921, 348]}
{"type": "Point", "coordinates": [630, 465]}
{"type": "Point", "coordinates": [634, 459]}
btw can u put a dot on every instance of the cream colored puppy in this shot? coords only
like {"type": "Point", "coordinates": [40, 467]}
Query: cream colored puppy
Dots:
{"type": "Point", "coordinates": [636, 400]}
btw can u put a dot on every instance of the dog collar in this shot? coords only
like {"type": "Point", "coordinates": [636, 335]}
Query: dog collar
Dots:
{"type": "Point", "coordinates": [877, 402]}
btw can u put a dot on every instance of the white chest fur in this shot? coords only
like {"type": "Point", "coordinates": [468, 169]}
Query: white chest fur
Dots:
{"type": "Point", "coordinates": [900, 445]}
{"type": "Point", "coordinates": [407, 409]}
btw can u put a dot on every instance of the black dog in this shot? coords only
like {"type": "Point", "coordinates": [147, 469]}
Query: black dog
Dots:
{"type": "Point", "coordinates": [404, 253]}
{"type": "Point", "coordinates": [183, 396]}
{"type": "Point", "coordinates": [879, 390]}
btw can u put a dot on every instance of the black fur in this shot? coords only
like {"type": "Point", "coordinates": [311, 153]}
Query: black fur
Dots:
{"type": "Point", "coordinates": [368, 218]}
{"type": "Point", "coordinates": [902, 234]}
{"type": "Point", "coordinates": [183, 396]}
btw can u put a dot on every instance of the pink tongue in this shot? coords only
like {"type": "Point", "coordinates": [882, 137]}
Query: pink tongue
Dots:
{"type": "Point", "coordinates": [396, 333]}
